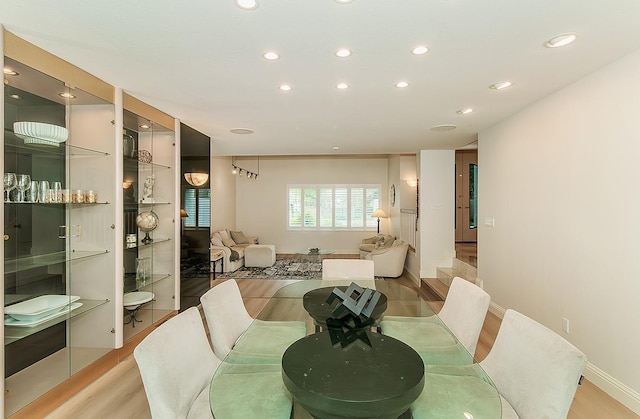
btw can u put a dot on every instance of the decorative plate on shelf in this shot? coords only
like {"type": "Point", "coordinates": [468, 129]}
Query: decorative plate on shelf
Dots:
{"type": "Point", "coordinates": [143, 156]}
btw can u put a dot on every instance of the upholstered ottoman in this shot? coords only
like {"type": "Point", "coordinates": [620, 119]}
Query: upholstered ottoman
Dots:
{"type": "Point", "coordinates": [259, 255]}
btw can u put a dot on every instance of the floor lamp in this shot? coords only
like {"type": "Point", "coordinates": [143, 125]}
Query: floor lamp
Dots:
{"type": "Point", "coordinates": [379, 214]}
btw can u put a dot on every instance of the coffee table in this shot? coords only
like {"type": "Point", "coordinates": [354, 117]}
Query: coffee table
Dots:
{"type": "Point", "coordinates": [319, 252]}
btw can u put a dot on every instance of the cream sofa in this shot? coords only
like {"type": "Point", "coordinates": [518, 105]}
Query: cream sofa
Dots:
{"type": "Point", "coordinates": [389, 261]}
{"type": "Point", "coordinates": [233, 244]}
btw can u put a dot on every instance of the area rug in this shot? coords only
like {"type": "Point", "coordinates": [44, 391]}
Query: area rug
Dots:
{"type": "Point", "coordinates": [194, 267]}
{"type": "Point", "coordinates": [286, 268]}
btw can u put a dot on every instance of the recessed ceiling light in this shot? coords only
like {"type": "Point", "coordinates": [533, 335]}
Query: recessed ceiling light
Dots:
{"type": "Point", "coordinates": [500, 85]}
{"type": "Point", "coordinates": [271, 55]}
{"type": "Point", "coordinates": [66, 95]}
{"type": "Point", "coordinates": [247, 4]}
{"type": "Point", "coordinates": [420, 50]}
{"type": "Point", "coordinates": [465, 111]}
{"type": "Point", "coordinates": [342, 86]}
{"type": "Point", "coordinates": [242, 131]}
{"type": "Point", "coordinates": [343, 52]}
{"type": "Point", "coordinates": [14, 96]}
{"type": "Point", "coordinates": [402, 84]}
{"type": "Point", "coordinates": [144, 126]}
{"type": "Point", "coordinates": [443, 127]}
{"type": "Point", "coordinates": [336, 148]}
{"type": "Point", "coordinates": [561, 40]}
{"type": "Point", "coordinates": [9, 72]}
{"type": "Point", "coordinates": [343, 1]}
{"type": "Point", "coordinates": [285, 87]}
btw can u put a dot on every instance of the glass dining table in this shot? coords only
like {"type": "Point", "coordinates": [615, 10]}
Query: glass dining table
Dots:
{"type": "Point", "coordinates": [356, 373]}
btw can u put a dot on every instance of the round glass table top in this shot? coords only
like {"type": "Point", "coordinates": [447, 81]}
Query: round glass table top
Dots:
{"type": "Point", "coordinates": [315, 251]}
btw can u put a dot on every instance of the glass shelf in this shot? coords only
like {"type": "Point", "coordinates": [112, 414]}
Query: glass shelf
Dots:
{"type": "Point", "coordinates": [130, 283]}
{"type": "Point", "coordinates": [143, 245]}
{"type": "Point", "coordinates": [70, 204]}
{"type": "Point", "coordinates": [130, 162]}
{"type": "Point", "coordinates": [30, 262]}
{"type": "Point", "coordinates": [15, 333]}
{"type": "Point", "coordinates": [153, 203]}
{"type": "Point", "coordinates": [63, 150]}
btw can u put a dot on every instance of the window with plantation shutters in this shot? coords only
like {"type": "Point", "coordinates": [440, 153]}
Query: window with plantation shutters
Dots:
{"type": "Point", "coordinates": [332, 207]}
{"type": "Point", "coordinates": [197, 204]}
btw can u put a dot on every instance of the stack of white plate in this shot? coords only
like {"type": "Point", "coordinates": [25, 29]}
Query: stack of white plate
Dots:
{"type": "Point", "coordinates": [40, 309]}
{"type": "Point", "coordinates": [40, 133]}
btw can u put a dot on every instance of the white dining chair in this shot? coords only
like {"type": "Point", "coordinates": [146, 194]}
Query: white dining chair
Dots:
{"type": "Point", "coordinates": [535, 371]}
{"type": "Point", "coordinates": [347, 268]}
{"type": "Point", "coordinates": [240, 337]}
{"type": "Point", "coordinates": [463, 313]}
{"type": "Point", "coordinates": [337, 272]}
{"type": "Point", "coordinates": [177, 367]}
{"type": "Point", "coordinates": [176, 364]}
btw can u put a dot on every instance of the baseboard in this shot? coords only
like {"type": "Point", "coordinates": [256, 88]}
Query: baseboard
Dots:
{"type": "Point", "coordinates": [497, 310]}
{"type": "Point", "coordinates": [409, 274]}
{"type": "Point", "coordinates": [614, 388]}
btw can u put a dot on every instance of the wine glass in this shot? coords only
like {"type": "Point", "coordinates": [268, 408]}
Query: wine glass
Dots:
{"type": "Point", "coordinates": [24, 183]}
{"type": "Point", "coordinates": [10, 183]}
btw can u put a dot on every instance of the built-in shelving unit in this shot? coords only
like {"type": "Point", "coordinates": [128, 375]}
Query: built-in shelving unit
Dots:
{"type": "Point", "coordinates": [66, 246]}
{"type": "Point", "coordinates": [53, 246]}
{"type": "Point", "coordinates": [154, 140]}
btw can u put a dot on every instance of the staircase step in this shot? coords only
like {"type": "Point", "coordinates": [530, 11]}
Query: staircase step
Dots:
{"type": "Point", "coordinates": [436, 285]}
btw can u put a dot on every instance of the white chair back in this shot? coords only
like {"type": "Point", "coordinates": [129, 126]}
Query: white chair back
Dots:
{"type": "Point", "coordinates": [176, 364]}
{"type": "Point", "coordinates": [533, 368]}
{"type": "Point", "coordinates": [464, 311]}
{"type": "Point", "coordinates": [227, 317]}
{"type": "Point", "coordinates": [347, 268]}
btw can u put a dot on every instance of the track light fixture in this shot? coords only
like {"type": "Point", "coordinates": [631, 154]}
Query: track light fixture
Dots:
{"type": "Point", "coordinates": [237, 170]}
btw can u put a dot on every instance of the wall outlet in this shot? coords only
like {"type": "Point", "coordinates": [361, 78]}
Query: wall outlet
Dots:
{"type": "Point", "coordinates": [490, 222]}
{"type": "Point", "coordinates": [565, 325]}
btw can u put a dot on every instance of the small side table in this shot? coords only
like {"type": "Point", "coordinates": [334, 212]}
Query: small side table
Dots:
{"type": "Point", "coordinates": [215, 257]}
{"type": "Point", "coordinates": [132, 302]}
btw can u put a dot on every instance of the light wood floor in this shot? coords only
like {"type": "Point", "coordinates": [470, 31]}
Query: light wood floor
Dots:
{"type": "Point", "coordinates": [120, 394]}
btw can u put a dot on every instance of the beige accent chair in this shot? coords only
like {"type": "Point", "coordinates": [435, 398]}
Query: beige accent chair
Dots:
{"type": "Point", "coordinates": [237, 337]}
{"type": "Point", "coordinates": [463, 314]}
{"type": "Point", "coordinates": [534, 369]}
{"type": "Point", "coordinates": [389, 261]}
{"type": "Point", "coordinates": [379, 241]}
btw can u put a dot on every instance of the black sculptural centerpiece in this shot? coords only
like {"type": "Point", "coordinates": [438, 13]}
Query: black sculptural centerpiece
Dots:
{"type": "Point", "coordinates": [355, 300]}
{"type": "Point", "coordinates": [352, 314]}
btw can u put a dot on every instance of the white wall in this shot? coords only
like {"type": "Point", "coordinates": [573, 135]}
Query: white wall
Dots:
{"type": "Point", "coordinates": [261, 207]}
{"type": "Point", "coordinates": [223, 194]}
{"type": "Point", "coordinates": [560, 179]}
{"type": "Point", "coordinates": [437, 210]}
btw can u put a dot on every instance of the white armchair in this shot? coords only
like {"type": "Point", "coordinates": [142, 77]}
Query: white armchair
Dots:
{"type": "Point", "coordinates": [389, 261]}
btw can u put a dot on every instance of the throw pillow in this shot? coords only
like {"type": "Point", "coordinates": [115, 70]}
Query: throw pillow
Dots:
{"type": "Point", "coordinates": [216, 240]}
{"type": "Point", "coordinates": [239, 237]}
{"type": "Point", "coordinates": [228, 242]}
{"type": "Point", "coordinates": [224, 234]}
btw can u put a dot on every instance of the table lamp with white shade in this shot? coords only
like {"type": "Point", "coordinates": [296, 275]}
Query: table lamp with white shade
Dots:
{"type": "Point", "coordinates": [378, 214]}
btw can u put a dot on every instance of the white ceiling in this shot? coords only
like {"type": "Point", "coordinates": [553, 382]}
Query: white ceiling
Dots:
{"type": "Point", "coordinates": [201, 61]}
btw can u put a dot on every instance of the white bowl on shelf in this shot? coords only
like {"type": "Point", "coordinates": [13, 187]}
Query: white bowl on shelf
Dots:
{"type": "Point", "coordinates": [40, 133]}
{"type": "Point", "coordinates": [39, 307]}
